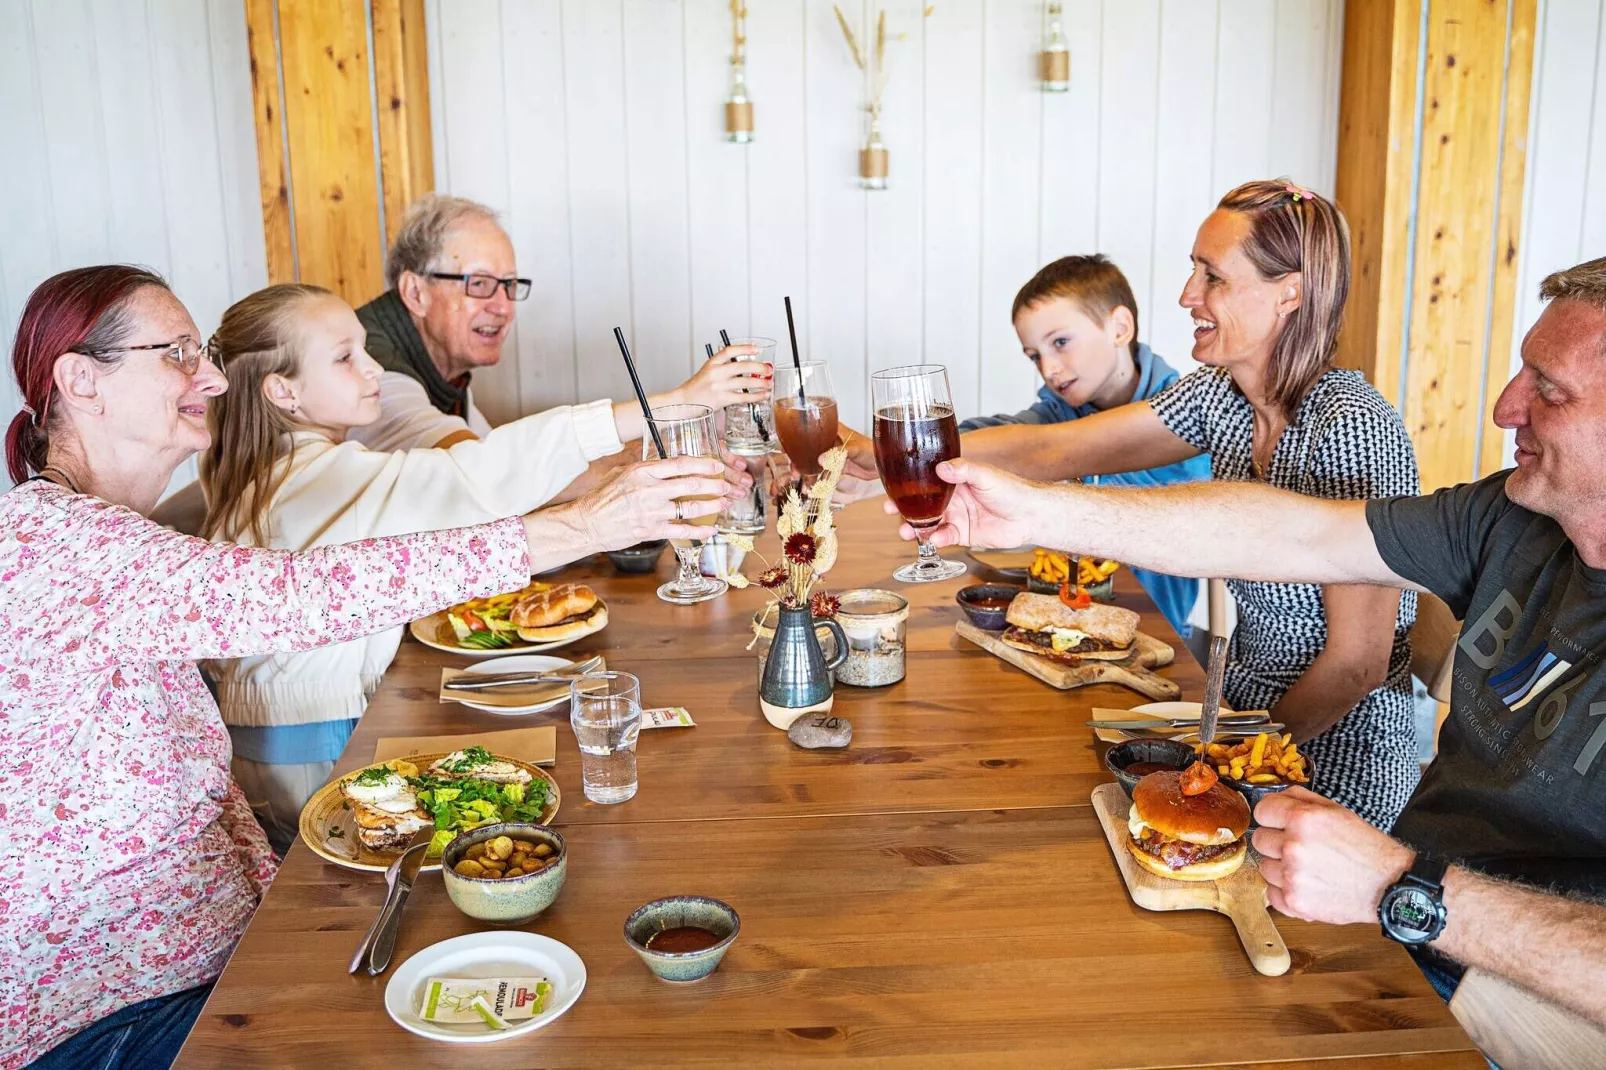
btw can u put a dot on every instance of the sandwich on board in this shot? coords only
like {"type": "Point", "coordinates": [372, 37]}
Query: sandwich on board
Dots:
{"type": "Point", "coordinates": [1043, 625]}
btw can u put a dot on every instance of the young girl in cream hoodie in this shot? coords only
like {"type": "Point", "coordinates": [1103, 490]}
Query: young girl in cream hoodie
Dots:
{"type": "Point", "coordinates": [280, 473]}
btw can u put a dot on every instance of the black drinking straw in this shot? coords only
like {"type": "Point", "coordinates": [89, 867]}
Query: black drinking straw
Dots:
{"type": "Point", "coordinates": [797, 362]}
{"type": "Point", "coordinates": [752, 406]}
{"type": "Point", "coordinates": [709, 348]}
{"type": "Point", "coordinates": [641, 395]}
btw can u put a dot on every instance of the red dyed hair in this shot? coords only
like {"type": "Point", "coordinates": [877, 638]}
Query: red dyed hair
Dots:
{"type": "Point", "coordinates": [85, 308]}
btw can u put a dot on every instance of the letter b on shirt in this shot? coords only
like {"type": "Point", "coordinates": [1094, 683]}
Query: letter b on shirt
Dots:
{"type": "Point", "coordinates": [1484, 641]}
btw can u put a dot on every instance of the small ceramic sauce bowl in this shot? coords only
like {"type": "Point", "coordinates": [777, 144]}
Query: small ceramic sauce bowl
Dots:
{"type": "Point", "coordinates": [505, 900]}
{"type": "Point", "coordinates": [640, 558]}
{"type": "Point", "coordinates": [682, 911]}
{"type": "Point", "coordinates": [987, 604]}
{"type": "Point", "coordinates": [1166, 752]}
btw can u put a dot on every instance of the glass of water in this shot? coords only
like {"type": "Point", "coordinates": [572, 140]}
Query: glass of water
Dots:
{"type": "Point", "coordinates": [605, 713]}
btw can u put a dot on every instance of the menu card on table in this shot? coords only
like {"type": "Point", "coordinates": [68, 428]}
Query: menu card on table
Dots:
{"type": "Point", "coordinates": [538, 746]}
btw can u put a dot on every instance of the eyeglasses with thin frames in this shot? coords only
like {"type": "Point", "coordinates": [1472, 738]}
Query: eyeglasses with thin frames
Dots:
{"type": "Point", "coordinates": [485, 285]}
{"type": "Point", "coordinates": [184, 352]}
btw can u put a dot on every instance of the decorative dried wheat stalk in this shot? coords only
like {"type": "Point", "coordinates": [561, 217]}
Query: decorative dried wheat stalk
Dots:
{"type": "Point", "coordinates": [738, 32]}
{"type": "Point", "coordinates": [877, 73]}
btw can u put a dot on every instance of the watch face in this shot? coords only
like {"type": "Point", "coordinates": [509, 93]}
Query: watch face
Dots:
{"type": "Point", "coordinates": [1411, 911]}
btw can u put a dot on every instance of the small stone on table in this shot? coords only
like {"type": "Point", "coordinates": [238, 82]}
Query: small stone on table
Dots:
{"type": "Point", "coordinates": [817, 730]}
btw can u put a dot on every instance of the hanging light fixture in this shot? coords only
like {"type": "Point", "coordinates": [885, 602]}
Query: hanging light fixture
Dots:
{"type": "Point", "coordinates": [1055, 59]}
{"type": "Point", "coordinates": [738, 108]}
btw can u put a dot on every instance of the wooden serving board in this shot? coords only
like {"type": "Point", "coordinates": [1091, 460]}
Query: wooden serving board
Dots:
{"type": "Point", "coordinates": [1242, 896]}
{"type": "Point", "coordinates": [1132, 671]}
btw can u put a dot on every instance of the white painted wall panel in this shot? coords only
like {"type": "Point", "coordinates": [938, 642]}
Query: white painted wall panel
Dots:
{"type": "Point", "coordinates": [628, 206]}
{"type": "Point", "coordinates": [127, 127]}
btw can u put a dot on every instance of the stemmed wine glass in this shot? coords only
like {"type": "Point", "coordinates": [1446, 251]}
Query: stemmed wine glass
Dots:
{"type": "Point", "coordinates": [805, 413]}
{"type": "Point", "coordinates": [914, 431]}
{"type": "Point", "coordinates": [687, 431]}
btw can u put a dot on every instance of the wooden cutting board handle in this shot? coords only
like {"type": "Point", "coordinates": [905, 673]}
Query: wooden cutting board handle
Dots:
{"type": "Point", "coordinates": [1245, 903]}
{"type": "Point", "coordinates": [1140, 680]}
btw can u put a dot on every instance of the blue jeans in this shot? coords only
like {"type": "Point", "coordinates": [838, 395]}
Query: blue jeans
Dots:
{"type": "Point", "coordinates": [141, 1036]}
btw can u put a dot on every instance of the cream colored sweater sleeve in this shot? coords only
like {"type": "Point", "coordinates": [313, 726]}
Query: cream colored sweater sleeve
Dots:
{"type": "Point", "coordinates": [346, 492]}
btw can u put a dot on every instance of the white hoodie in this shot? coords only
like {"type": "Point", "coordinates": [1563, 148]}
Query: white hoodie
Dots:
{"type": "Point", "coordinates": [342, 492]}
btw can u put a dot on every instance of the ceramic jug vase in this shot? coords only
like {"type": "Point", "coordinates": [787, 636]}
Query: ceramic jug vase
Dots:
{"type": "Point", "coordinates": [797, 676]}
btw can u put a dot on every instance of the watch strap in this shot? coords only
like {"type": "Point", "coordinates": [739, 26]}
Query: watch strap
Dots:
{"type": "Point", "coordinates": [1428, 872]}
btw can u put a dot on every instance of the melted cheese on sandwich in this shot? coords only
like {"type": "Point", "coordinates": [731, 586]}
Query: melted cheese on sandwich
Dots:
{"type": "Point", "coordinates": [1064, 639]}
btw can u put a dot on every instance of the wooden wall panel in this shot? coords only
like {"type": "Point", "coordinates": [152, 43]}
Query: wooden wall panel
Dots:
{"type": "Point", "coordinates": [1492, 454]}
{"type": "Point", "coordinates": [273, 169]}
{"type": "Point", "coordinates": [1454, 235]}
{"type": "Point", "coordinates": [401, 86]}
{"type": "Point", "coordinates": [318, 86]}
{"type": "Point", "coordinates": [1434, 346]}
{"type": "Point", "coordinates": [328, 117]}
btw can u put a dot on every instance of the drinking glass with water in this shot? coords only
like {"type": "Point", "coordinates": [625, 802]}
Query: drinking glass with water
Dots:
{"type": "Point", "coordinates": [605, 712]}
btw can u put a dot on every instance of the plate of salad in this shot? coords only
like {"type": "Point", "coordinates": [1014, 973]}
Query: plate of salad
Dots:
{"type": "Point", "coordinates": [453, 792]}
{"type": "Point", "coordinates": [483, 627]}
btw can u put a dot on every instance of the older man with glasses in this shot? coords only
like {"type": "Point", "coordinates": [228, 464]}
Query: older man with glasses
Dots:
{"type": "Point", "coordinates": [451, 284]}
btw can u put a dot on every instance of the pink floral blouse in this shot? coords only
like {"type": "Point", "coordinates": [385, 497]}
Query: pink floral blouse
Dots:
{"type": "Point", "coordinates": [130, 862]}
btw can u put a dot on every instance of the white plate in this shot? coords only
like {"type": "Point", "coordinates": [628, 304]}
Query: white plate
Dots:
{"type": "Point", "coordinates": [424, 631]}
{"type": "Point", "coordinates": [523, 663]}
{"type": "Point", "coordinates": [490, 954]}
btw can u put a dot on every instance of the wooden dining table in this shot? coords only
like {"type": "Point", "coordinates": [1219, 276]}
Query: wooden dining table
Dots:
{"type": "Point", "coordinates": [939, 893]}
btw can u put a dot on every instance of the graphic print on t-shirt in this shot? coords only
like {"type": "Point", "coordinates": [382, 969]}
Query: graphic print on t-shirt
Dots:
{"type": "Point", "coordinates": [1538, 678]}
{"type": "Point", "coordinates": [1528, 679]}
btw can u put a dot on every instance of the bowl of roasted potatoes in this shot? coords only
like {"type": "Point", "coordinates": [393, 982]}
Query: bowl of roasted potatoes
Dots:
{"type": "Point", "coordinates": [505, 873]}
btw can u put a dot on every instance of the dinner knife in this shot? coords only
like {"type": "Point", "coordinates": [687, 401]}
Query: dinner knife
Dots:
{"type": "Point", "coordinates": [1259, 720]}
{"type": "Point", "coordinates": [406, 870]}
{"type": "Point", "coordinates": [479, 681]}
{"type": "Point", "coordinates": [1210, 711]}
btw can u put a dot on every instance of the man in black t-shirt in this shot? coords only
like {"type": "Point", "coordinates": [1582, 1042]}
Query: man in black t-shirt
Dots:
{"type": "Point", "coordinates": [1499, 860]}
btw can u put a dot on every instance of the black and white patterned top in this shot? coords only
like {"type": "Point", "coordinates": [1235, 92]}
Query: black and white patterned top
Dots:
{"type": "Point", "coordinates": [1345, 442]}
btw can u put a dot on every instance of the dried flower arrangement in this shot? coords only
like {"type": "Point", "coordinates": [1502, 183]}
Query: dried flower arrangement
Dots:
{"type": "Point", "coordinates": [873, 157]}
{"type": "Point", "coordinates": [808, 546]}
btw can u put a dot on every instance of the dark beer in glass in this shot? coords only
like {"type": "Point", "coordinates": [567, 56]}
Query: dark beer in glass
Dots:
{"type": "Point", "coordinates": [915, 431]}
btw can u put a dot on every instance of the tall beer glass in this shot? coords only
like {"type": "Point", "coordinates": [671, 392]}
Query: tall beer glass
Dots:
{"type": "Point", "coordinates": [915, 430]}
{"type": "Point", "coordinates": [687, 431]}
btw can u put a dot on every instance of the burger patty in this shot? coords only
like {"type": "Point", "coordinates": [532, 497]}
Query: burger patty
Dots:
{"type": "Point", "coordinates": [1046, 641]}
{"type": "Point", "coordinates": [1178, 853]}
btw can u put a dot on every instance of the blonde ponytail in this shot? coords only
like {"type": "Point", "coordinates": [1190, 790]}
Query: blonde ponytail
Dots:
{"type": "Point", "coordinates": [240, 471]}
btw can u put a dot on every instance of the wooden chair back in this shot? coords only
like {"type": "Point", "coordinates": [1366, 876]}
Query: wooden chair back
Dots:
{"type": "Point", "coordinates": [1433, 640]}
{"type": "Point", "coordinates": [1518, 1030]}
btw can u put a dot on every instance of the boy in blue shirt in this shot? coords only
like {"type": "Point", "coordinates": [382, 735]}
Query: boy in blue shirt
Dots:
{"type": "Point", "coordinates": [1078, 323]}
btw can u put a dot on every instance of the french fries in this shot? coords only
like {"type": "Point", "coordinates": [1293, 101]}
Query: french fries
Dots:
{"type": "Point", "coordinates": [1052, 567]}
{"type": "Point", "coordinates": [1267, 759]}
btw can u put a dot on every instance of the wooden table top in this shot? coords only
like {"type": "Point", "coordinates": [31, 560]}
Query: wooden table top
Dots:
{"type": "Point", "coordinates": [937, 894]}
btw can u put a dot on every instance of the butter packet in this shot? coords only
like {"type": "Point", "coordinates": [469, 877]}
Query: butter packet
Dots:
{"type": "Point", "coordinates": [667, 717]}
{"type": "Point", "coordinates": [451, 999]}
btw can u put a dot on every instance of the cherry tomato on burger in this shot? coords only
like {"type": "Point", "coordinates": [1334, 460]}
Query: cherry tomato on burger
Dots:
{"type": "Point", "coordinates": [1198, 778]}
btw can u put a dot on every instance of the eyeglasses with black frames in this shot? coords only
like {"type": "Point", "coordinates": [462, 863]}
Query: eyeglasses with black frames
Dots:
{"type": "Point", "coordinates": [485, 285]}
{"type": "Point", "coordinates": [184, 352]}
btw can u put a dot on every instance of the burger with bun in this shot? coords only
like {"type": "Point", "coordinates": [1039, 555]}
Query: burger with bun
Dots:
{"type": "Point", "coordinates": [1044, 625]}
{"type": "Point", "coordinates": [1187, 837]}
{"type": "Point", "coordinates": [566, 611]}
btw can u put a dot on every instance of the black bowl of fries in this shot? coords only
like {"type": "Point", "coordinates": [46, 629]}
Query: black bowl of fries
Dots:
{"type": "Point", "coordinates": [1259, 765]}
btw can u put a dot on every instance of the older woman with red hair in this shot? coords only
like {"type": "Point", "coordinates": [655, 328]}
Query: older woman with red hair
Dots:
{"type": "Point", "coordinates": [131, 862]}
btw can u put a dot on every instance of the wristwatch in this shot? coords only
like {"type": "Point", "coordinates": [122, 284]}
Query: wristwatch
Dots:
{"type": "Point", "coordinates": [1412, 911]}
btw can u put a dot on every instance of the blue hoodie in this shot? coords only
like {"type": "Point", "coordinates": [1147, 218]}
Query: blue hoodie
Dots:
{"type": "Point", "coordinates": [1175, 595]}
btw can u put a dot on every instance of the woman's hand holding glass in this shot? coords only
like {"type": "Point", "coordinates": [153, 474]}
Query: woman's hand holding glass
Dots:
{"type": "Point", "coordinates": [729, 377]}
{"type": "Point", "coordinates": [638, 503]}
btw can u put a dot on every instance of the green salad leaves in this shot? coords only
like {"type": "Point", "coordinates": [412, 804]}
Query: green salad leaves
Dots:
{"type": "Point", "coordinates": [459, 805]}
